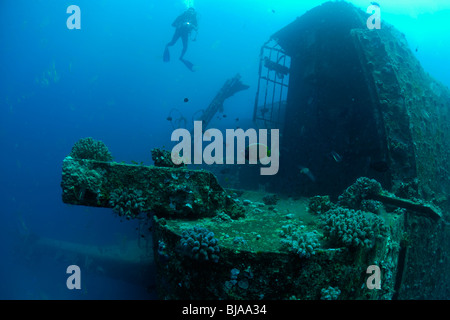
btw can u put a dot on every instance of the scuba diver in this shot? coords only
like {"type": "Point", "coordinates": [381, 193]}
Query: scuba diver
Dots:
{"type": "Point", "coordinates": [184, 25]}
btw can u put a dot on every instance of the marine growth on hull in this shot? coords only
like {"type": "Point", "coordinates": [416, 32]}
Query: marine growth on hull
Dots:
{"type": "Point", "coordinates": [359, 206]}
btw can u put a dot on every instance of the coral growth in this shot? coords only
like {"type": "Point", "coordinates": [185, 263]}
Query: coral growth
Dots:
{"type": "Point", "coordinates": [371, 206]}
{"type": "Point", "coordinates": [330, 293]}
{"type": "Point", "coordinates": [83, 180]}
{"type": "Point", "coordinates": [353, 228]}
{"type": "Point", "coordinates": [127, 202]}
{"type": "Point", "coordinates": [319, 204]}
{"type": "Point", "coordinates": [200, 244]}
{"type": "Point", "coordinates": [270, 199]}
{"type": "Point", "coordinates": [241, 279]}
{"type": "Point", "coordinates": [88, 148]}
{"type": "Point", "coordinates": [163, 158]}
{"type": "Point", "coordinates": [357, 192]}
{"type": "Point", "coordinates": [303, 244]}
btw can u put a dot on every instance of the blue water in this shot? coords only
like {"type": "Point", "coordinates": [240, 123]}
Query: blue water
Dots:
{"type": "Point", "coordinates": [108, 81]}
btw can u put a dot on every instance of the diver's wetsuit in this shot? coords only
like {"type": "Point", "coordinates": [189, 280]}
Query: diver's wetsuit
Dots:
{"type": "Point", "coordinates": [184, 24]}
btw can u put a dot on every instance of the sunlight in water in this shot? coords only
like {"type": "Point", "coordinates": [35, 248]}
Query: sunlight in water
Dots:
{"type": "Point", "coordinates": [189, 3]}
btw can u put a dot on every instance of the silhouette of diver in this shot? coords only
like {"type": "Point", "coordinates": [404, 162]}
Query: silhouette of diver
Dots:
{"type": "Point", "coordinates": [184, 24]}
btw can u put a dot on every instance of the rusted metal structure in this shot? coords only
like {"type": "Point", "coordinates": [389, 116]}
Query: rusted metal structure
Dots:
{"type": "Point", "coordinates": [350, 102]}
{"type": "Point", "coordinates": [358, 103]}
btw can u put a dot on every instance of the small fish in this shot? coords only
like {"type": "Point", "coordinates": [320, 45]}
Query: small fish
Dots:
{"type": "Point", "coordinates": [425, 114]}
{"type": "Point", "coordinates": [273, 10]}
{"type": "Point", "coordinates": [169, 118]}
{"type": "Point", "coordinates": [237, 119]}
{"type": "Point", "coordinates": [185, 99]}
{"type": "Point", "coordinates": [336, 156]}
{"type": "Point", "coordinates": [224, 115]}
{"type": "Point", "coordinates": [307, 173]}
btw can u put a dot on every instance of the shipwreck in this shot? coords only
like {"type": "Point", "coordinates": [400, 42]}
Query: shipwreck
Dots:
{"type": "Point", "coordinates": [354, 108]}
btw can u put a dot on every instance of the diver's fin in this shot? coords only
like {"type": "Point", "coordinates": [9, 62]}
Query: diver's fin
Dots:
{"type": "Point", "coordinates": [166, 56]}
{"type": "Point", "coordinates": [188, 64]}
